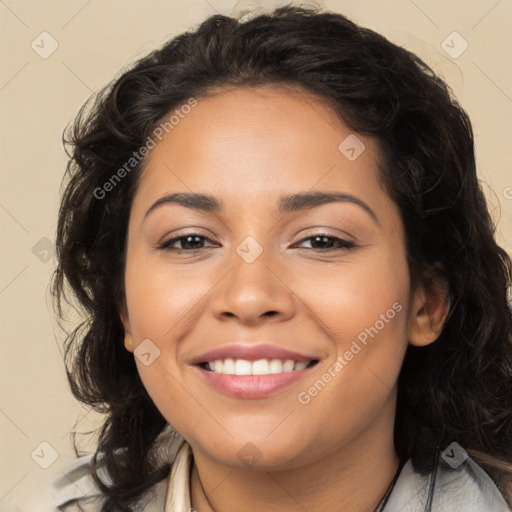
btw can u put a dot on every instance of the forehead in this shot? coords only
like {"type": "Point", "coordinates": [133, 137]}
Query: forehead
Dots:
{"type": "Point", "coordinates": [257, 142]}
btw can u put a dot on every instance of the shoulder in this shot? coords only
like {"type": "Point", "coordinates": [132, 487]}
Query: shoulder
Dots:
{"type": "Point", "coordinates": [447, 489]}
{"type": "Point", "coordinates": [57, 487]}
{"type": "Point", "coordinates": [71, 488]}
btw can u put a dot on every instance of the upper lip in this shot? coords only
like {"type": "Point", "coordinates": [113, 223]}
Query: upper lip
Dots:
{"type": "Point", "coordinates": [251, 352]}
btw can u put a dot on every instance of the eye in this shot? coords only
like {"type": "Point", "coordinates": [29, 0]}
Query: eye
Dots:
{"type": "Point", "coordinates": [189, 242]}
{"type": "Point", "coordinates": [195, 242]}
{"type": "Point", "coordinates": [324, 243]}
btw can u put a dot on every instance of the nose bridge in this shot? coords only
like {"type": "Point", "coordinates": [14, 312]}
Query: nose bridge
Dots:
{"type": "Point", "coordinates": [253, 286]}
{"type": "Point", "coordinates": [251, 262]}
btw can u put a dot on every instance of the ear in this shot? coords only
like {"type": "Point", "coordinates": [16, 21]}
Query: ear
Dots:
{"type": "Point", "coordinates": [431, 304]}
{"type": "Point", "coordinates": [128, 339]}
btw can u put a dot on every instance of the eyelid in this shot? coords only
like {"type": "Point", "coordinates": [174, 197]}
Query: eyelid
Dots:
{"type": "Point", "coordinates": [343, 244]}
{"type": "Point", "coordinates": [188, 231]}
{"type": "Point", "coordinates": [326, 231]}
{"type": "Point", "coordinates": [167, 241]}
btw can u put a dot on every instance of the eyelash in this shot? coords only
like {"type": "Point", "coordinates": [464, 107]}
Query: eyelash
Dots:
{"type": "Point", "coordinates": [343, 244]}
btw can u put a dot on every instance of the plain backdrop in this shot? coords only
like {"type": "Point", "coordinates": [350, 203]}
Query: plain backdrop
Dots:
{"type": "Point", "coordinates": [91, 40]}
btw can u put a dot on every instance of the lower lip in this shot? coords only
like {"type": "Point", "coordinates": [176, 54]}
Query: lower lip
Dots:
{"type": "Point", "coordinates": [252, 386]}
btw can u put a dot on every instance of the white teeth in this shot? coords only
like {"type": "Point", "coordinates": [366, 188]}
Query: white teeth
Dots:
{"type": "Point", "coordinates": [275, 366]}
{"type": "Point", "coordinates": [288, 365]}
{"type": "Point", "coordinates": [259, 367]}
{"type": "Point", "coordinates": [243, 367]}
{"type": "Point", "coordinates": [229, 366]}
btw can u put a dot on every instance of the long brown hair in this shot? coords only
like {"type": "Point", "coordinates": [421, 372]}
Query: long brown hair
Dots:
{"type": "Point", "coordinates": [457, 389]}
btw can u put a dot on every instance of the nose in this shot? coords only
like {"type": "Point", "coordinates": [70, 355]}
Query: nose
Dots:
{"type": "Point", "coordinates": [254, 293]}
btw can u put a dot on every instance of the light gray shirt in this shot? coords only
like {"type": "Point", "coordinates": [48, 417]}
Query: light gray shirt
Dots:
{"type": "Point", "coordinates": [465, 487]}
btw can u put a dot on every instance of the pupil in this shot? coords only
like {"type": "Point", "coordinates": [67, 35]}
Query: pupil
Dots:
{"type": "Point", "coordinates": [320, 238]}
{"type": "Point", "coordinates": [188, 240]}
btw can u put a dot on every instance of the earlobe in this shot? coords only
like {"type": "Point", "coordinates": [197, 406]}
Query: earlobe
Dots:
{"type": "Point", "coordinates": [428, 315]}
{"type": "Point", "coordinates": [128, 342]}
{"type": "Point", "coordinates": [128, 339]}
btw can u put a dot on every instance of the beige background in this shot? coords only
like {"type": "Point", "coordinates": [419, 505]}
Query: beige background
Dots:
{"type": "Point", "coordinates": [38, 97]}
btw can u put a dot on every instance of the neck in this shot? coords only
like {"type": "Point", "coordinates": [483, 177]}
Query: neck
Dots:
{"type": "Point", "coordinates": [355, 477]}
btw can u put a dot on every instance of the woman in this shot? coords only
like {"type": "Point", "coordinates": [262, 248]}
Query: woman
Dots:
{"type": "Point", "coordinates": [293, 297]}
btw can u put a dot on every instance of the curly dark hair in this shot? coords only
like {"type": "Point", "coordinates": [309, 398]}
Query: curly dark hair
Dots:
{"type": "Point", "coordinates": [458, 388]}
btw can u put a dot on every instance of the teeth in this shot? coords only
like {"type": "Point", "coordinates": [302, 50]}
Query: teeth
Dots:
{"type": "Point", "coordinates": [242, 367]}
{"type": "Point", "coordinates": [229, 366]}
{"type": "Point", "coordinates": [275, 366]}
{"type": "Point", "coordinates": [288, 365]}
{"type": "Point", "coordinates": [259, 367]}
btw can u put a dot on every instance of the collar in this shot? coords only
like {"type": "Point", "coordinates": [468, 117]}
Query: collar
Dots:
{"type": "Point", "coordinates": [466, 488]}
{"type": "Point", "coordinates": [177, 498]}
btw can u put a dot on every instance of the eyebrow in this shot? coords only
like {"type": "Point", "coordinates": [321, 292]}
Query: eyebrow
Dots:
{"type": "Point", "coordinates": [287, 203]}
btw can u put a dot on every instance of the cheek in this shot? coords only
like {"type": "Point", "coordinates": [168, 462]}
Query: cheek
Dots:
{"type": "Point", "coordinates": [367, 324]}
{"type": "Point", "coordinates": [158, 300]}
{"type": "Point", "coordinates": [364, 313]}
{"type": "Point", "coordinates": [163, 308]}
{"type": "Point", "coordinates": [363, 301]}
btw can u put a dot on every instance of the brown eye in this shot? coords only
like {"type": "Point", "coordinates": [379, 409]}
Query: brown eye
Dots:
{"type": "Point", "coordinates": [326, 243]}
{"type": "Point", "coordinates": [189, 242]}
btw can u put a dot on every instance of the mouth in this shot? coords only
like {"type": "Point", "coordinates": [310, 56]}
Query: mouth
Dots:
{"type": "Point", "coordinates": [244, 379]}
{"type": "Point", "coordinates": [245, 367]}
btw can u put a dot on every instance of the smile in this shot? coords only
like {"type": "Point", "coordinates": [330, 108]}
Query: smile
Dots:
{"type": "Point", "coordinates": [230, 366]}
{"type": "Point", "coordinates": [275, 375]}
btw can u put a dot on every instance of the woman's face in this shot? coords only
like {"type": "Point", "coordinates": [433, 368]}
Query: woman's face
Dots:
{"type": "Point", "coordinates": [270, 269]}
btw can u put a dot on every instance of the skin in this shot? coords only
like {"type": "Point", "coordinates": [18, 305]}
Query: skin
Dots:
{"type": "Point", "coordinates": [247, 147]}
